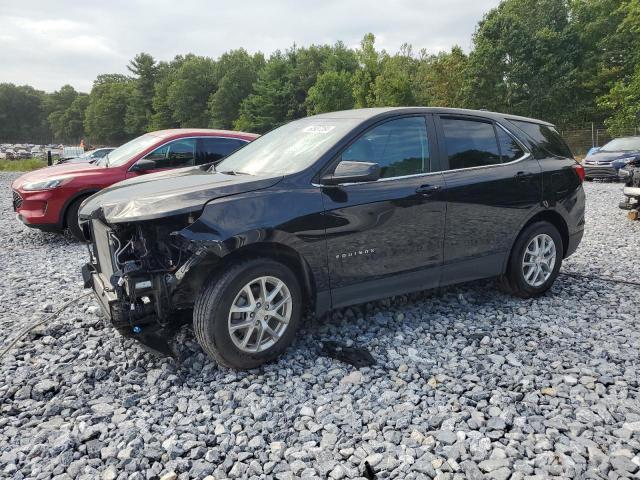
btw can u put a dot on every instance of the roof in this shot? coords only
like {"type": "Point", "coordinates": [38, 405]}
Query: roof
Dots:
{"type": "Point", "coordinates": [208, 132]}
{"type": "Point", "coordinates": [367, 113]}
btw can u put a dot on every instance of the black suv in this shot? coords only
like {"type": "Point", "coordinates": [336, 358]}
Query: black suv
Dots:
{"type": "Point", "coordinates": [332, 210]}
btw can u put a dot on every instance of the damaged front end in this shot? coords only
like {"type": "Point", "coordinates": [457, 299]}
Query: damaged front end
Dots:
{"type": "Point", "coordinates": [142, 274]}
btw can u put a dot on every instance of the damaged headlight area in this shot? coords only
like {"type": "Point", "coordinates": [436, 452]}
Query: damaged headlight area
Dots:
{"type": "Point", "coordinates": [140, 274]}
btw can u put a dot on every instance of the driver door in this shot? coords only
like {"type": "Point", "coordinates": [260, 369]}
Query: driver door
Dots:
{"type": "Point", "coordinates": [385, 237]}
{"type": "Point", "coordinates": [175, 154]}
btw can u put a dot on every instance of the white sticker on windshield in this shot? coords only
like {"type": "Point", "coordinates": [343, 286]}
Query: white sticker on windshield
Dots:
{"type": "Point", "coordinates": [319, 128]}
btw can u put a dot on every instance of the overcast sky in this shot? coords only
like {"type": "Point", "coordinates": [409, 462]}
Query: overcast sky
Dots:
{"type": "Point", "coordinates": [50, 43]}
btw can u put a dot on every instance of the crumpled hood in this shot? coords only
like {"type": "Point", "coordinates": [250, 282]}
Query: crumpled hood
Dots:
{"type": "Point", "coordinates": [610, 156]}
{"type": "Point", "coordinates": [161, 194]}
{"type": "Point", "coordinates": [56, 171]}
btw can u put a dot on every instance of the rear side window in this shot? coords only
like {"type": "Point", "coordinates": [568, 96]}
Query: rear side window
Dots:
{"type": "Point", "coordinates": [470, 143]}
{"type": "Point", "coordinates": [214, 149]}
{"type": "Point", "coordinates": [510, 149]}
{"type": "Point", "coordinates": [546, 137]}
{"type": "Point", "coordinates": [400, 147]}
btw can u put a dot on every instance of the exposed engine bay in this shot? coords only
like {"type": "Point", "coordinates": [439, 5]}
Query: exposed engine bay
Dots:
{"type": "Point", "coordinates": [144, 273]}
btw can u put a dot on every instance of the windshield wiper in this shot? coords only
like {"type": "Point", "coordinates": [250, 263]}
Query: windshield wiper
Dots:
{"type": "Point", "coordinates": [233, 172]}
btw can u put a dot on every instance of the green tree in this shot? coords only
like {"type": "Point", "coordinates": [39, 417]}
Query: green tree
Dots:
{"type": "Point", "coordinates": [439, 79]}
{"type": "Point", "coordinates": [140, 105]}
{"type": "Point", "coordinates": [332, 91]}
{"type": "Point", "coordinates": [365, 76]}
{"type": "Point", "coordinates": [237, 72]}
{"type": "Point", "coordinates": [393, 87]}
{"type": "Point", "coordinates": [526, 61]}
{"type": "Point", "coordinates": [104, 120]}
{"type": "Point", "coordinates": [273, 100]}
{"type": "Point", "coordinates": [189, 90]}
{"type": "Point", "coordinates": [22, 114]}
{"type": "Point", "coordinates": [57, 104]}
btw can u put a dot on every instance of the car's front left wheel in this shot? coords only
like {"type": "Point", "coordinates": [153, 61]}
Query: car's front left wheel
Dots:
{"type": "Point", "coordinates": [249, 313]}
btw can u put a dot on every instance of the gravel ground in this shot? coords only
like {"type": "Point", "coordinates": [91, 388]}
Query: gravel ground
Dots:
{"type": "Point", "coordinates": [469, 383]}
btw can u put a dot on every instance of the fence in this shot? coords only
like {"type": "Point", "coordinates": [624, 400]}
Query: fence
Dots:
{"type": "Point", "coordinates": [581, 140]}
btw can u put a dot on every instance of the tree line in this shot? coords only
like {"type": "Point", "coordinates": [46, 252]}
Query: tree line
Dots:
{"type": "Point", "coordinates": [566, 61]}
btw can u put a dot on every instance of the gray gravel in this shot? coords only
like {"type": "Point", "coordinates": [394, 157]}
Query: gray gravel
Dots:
{"type": "Point", "coordinates": [469, 383]}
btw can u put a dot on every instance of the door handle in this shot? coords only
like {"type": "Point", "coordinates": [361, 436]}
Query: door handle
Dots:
{"type": "Point", "coordinates": [427, 190]}
{"type": "Point", "coordinates": [524, 176]}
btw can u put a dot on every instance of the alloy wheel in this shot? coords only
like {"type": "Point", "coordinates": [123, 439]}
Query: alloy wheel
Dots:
{"type": "Point", "coordinates": [539, 259]}
{"type": "Point", "coordinates": [260, 314]}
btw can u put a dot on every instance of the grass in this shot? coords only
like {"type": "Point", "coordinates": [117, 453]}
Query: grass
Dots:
{"type": "Point", "coordinates": [25, 165]}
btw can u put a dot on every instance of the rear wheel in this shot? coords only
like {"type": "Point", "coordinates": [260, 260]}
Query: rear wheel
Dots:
{"type": "Point", "coordinates": [534, 262]}
{"type": "Point", "coordinates": [248, 314]}
{"type": "Point", "coordinates": [71, 219]}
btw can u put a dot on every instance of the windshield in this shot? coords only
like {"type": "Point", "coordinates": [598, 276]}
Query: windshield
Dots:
{"type": "Point", "coordinates": [289, 148]}
{"type": "Point", "coordinates": [123, 154]}
{"type": "Point", "coordinates": [622, 145]}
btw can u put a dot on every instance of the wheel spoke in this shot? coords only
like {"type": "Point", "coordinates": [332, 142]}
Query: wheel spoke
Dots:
{"type": "Point", "coordinates": [278, 305]}
{"type": "Point", "coordinates": [249, 293]}
{"type": "Point", "coordinates": [241, 325]}
{"type": "Point", "coordinates": [259, 340]}
{"type": "Point", "coordinates": [249, 333]}
{"type": "Point", "coordinates": [275, 291]}
{"type": "Point", "coordinates": [244, 309]}
{"type": "Point", "coordinates": [279, 317]}
{"type": "Point", "coordinates": [263, 289]}
{"type": "Point", "coordinates": [272, 333]}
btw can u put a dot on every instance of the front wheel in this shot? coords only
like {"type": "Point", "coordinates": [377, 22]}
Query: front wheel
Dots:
{"type": "Point", "coordinates": [71, 219]}
{"type": "Point", "coordinates": [534, 262]}
{"type": "Point", "coordinates": [248, 314]}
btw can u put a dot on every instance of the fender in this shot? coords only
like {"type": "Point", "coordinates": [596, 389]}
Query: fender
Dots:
{"type": "Point", "coordinates": [235, 222]}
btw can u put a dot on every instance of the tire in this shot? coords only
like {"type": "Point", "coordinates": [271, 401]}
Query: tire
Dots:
{"type": "Point", "coordinates": [513, 281]}
{"type": "Point", "coordinates": [212, 316]}
{"type": "Point", "coordinates": [71, 219]}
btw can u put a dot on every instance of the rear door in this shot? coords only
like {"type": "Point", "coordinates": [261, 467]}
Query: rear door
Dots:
{"type": "Point", "coordinates": [385, 237]}
{"type": "Point", "coordinates": [492, 185]}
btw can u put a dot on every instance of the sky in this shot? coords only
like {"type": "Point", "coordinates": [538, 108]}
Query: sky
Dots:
{"type": "Point", "coordinates": [49, 43]}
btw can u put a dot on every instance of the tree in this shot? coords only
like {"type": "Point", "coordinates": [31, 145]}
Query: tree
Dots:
{"type": "Point", "coordinates": [525, 61]}
{"type": "Point", "coordinates": [273, 100]}
{"type": "Point", "coordinates": [332, 91]}
{"type": "Point", "coordinates": [57, 104]}
{"type": "Point", "coordinates": [393, 86]}
{"type": "Point", "coordinates": [189, 91]}
{"type": "Point", "coordinates": [365, 76]}
{"type": "Point", "coordinates": [22, 114]}
{"type": "Point", "coordinates": [439, 79]}
{"type": "Point", "coordinates": [140, 106]}
{"type": "Point", "coordinates": [105, 114]}
{"type": "Point", "coordinates": [237, 72]}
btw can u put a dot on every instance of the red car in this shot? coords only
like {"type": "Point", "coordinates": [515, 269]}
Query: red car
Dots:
{"type": "Point", "coordinates": [49, 198]}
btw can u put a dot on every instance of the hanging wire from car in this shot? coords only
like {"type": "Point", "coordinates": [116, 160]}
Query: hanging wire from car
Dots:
{"type": "Point", "coordinates": [28, 329]}
{"type": "Point", "coordinates": [599, 277]}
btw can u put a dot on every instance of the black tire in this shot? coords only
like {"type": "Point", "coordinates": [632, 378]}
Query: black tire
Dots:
{"type": "Point", "coordinates": [71, 219]}
{"type": "Point", "coordinates": [212, 306]}
{"type": "Point", "coordinates": [513, 281]}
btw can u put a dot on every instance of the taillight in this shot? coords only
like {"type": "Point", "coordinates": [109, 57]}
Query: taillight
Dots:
{"type": "Point", "coordinates": [580, 171]}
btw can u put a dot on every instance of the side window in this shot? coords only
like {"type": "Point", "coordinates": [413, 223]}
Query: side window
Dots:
{"type": "Point", "coordinates": [179, 153]}
{"type": "Point", "coordinates": [400, 147]}
{"type": "Point", "coordinates": [509, 148]}
{"type": "Point", "coordinates": [546, 137]}
{"type": "Point", "coordinates": [215, 149]}
{"type": "Point", "coordinates": [470, 143]}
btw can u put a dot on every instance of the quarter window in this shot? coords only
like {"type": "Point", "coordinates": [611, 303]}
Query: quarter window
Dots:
{"type": "Point", "coordinates": [400, 147]}
{"type": "Point", "coordinates": [470, 143]}
{"type": "Point", "coordinates": [214, 149]}
{"type": "Point", "coordinates": [510, 149]}
{"type": "Point", "coordinates": [179, 153]}
{"type": "Point", "coordinates": [546, 137]}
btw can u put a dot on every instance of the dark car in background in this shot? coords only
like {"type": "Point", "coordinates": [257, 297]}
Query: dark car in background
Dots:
{"type": "Point", "coordinates": [328, 211]}
{"type": "Point", "coordinates": [606, 161]}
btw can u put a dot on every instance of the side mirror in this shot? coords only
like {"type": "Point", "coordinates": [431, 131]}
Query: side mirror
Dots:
{"type": "Point", "coordinates": [143, 165]}
{"type": "Point", "coordinates": [352, 172]}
